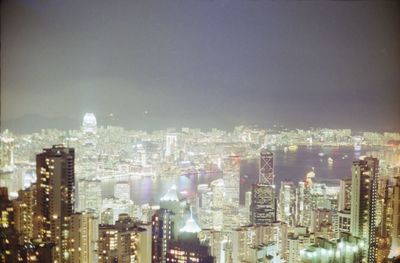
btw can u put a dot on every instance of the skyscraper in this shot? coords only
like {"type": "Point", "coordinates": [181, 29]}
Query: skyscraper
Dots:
{"type": "Point", "coordinates": [126, 241]}
{"type": "Point", "coordinates": [363, 203]}
{"type": "Point", "coordinates": [55, 198]}
{"type": "Point", "coordinates": [89, 195]}
{"type": "Point", "coordinates": [231, 177]}
{"type": "Point", "coordinates": [84, 237]}
{"type": "Point", "coordinates": [263, 205]}
{"type": "Point", "coordinates": [266, 169]}
{"type": "Point", "coordinates": [395, 250]}
{"type": "Point", "coordinates": [162, 233]}
{"type": "Point", "coordinates": [345, 194]}
{"type": "Point", "coordinates": [122, 190]}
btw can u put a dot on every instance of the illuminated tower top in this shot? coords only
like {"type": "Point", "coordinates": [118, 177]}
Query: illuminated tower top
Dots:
{"type": "Point", "coordinates": [89, 123]}
{"type": "Point", "coordinates": [266, 172]}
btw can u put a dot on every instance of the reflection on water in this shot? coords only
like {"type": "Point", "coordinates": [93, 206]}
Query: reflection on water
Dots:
{"type": "Point", "coordinates": [288, 166]}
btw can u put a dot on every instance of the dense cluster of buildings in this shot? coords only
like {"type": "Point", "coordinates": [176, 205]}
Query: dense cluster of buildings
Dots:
{"type": "Point", "coordinates": [53, 209]}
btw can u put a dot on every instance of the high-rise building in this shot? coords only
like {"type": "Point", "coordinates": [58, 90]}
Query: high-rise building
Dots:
{"type": "Point", "coordinates": [344, 221]}
{"type": "Point", "coordinates": [395, 249]}
{"type": "Point", "coordinates": [287, 203]}
{"type": "Point", "coordinates": [346, 249]}
{"type": "Point", "coordinates": [345, 194]}
{"type": "Point", "coordinates": [6, 152]}
{"type": "Point", "coordinates": [231, 177]}
{"type": "Point", "coordinates": [89, 195]}
{"type": "Point", "coordinates": [297, 240]}
{"type": "Point", "coordinates": [125, 241]}
{"type": "Point", "coordinates": [382, 237]}
{"type": "Point", "coordinates": [55, 198]}
{"type": "Point", "coordinates": [23, 213]}
{"type": "Point", "coordinates": [263, 205]}
{"type": "Point", "coordinates": [89, 123]}
{"type": "Point", "coordinates": [319, 217]}
{"type": "Point", "coordinates": [170, 143]}
{"type": "Point", "coordinates": [84, 236]}
{"type": "Point", "coordinates": [363, 203]}
{"type": "Point", "coordinates": [170, 201]}
{"type": "Point", "coordinates": [7, 230]}
{"type": "Point", "coordinates": [188, 247]}
{"type": "Point", "coordinates": [122, 190]}
{"type": "Point", "coordinates": [266, 169]}
{"type": "Point", "coordinates": [162, 232]}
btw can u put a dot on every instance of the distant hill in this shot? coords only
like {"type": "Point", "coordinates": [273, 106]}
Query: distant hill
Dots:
{"type": "Point", "coordinates": [32, 123]}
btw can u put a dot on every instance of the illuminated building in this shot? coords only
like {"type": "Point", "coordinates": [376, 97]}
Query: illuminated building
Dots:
{"type": "Point", "coordinates": [266, 168]}
{"type": "Point", "coordinates": [170, 144]}
{"type": "Point", "coordinates": [188, 247]}
{"type": "Point", "coordinates": [297, 240]}
{"type": "Point", "coordinates": [23, 213]}
{"type": "Point", "coordinates": [205, 203]}
{"type": "Point", "coordinates": [15, 247]}
{"type": "Point", "coordinates": [107, 217]}
{"type": "Point", "coordinates": [319, 217]}
{"type": "Point", "coordinates": [247, 208]}
{"type": "Point", "coordinates": [6, 152]}
{"type": "Point", "coordinates": [231, 177]}
{"type": "Point", "coordinates": [84, 236]}
{"type": "Point", "coordinates": [345, 195]}
{"type": "Point", "coordinates": [122, 190]}
{"type": "Point", "coordinates": [363, 203]}
{"type": "Point", "coordinates": [219, 246]}
{"type": "Point", "coordinates": [217, 188]}
{"type": "Point", "coordinates": [170, 201]}
{"type": "Point", "coordinates": [287, 202]}
{"type": "Point", "coordinates": [7, 230]}
{"type": "Point", "coordinates": [382, 237]}
{"type": "Point", "coordinates": [344, 221]}
{"type": "Point", "coordinates": [242, 239]}
{"type": "Point", "coordinates": [395, 250]}
{"type": "Point", "coordinates": [162, 233]}
{"type": "Point", "coordinates": [108, 244]}
{"type": "Point", "coordinates": [55, 198]}
{"type": "Point", "coordinates": [267, 253]}
{"type": "Point", "coordinates": [346, 249]}
{"type": "Point", "coordinates": [89, 195]}
{"type": "Point", "coordinates": [89, 123]}
{"type": "Point", "coordinates": [263, 204]}
{"type": "Point", "coordinates": [124, 242]}
{"type": "Point", "coordinates": [118, 207]}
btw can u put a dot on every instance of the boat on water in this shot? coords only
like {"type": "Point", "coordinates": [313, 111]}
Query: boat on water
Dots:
{"type": "Point", "coordinates": [293, 148]}
{"type": "Point", "coordinates": [321, 154]}
{"type": "Point", "coordinates": [285, 149]}
{"type": "Point", "coordinates": [345, 156]}
{"type": "Point", "coordinates": [330, 161]}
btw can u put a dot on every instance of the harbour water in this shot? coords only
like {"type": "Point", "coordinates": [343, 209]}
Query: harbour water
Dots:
{"type": "Point", "coordinates": [288, 166]}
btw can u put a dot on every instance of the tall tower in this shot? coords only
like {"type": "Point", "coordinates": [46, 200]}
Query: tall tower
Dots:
{"type": "Point", "coordinates": [55, 198]}
{"type": "Point", "coordinates": [231, 177]}
{"type": "Point", "coordinates": [84, 228]}
{"type": "Point", "coordinates": [266, 171]}
{"type": "Point", "coordinates": [383, 239]}
{"type": "Point", "coordinates": [396, 219]}
{"type": "Point", "coordinates": [263, 207]}
{"type": "Point", "coordinates": [363, 203]}
{"type": "Point", "coordinates": [162, 232]}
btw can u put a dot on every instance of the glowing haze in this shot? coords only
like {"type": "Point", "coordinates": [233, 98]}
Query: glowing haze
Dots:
{"type": "Point", "coordinates": [201, 63]}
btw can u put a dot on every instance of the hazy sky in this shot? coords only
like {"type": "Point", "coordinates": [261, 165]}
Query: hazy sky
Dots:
{"type": "Point", "coordinates": [203, 63]}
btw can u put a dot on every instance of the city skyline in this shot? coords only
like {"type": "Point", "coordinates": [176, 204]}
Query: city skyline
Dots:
{"type": "Point", "coordinates": [199, 131]}
{"type": "Point", "coordinates": [159, 64]}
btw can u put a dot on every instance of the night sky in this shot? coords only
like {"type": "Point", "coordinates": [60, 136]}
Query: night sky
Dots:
{"type": "Point", "coordinates": [201, 63]}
